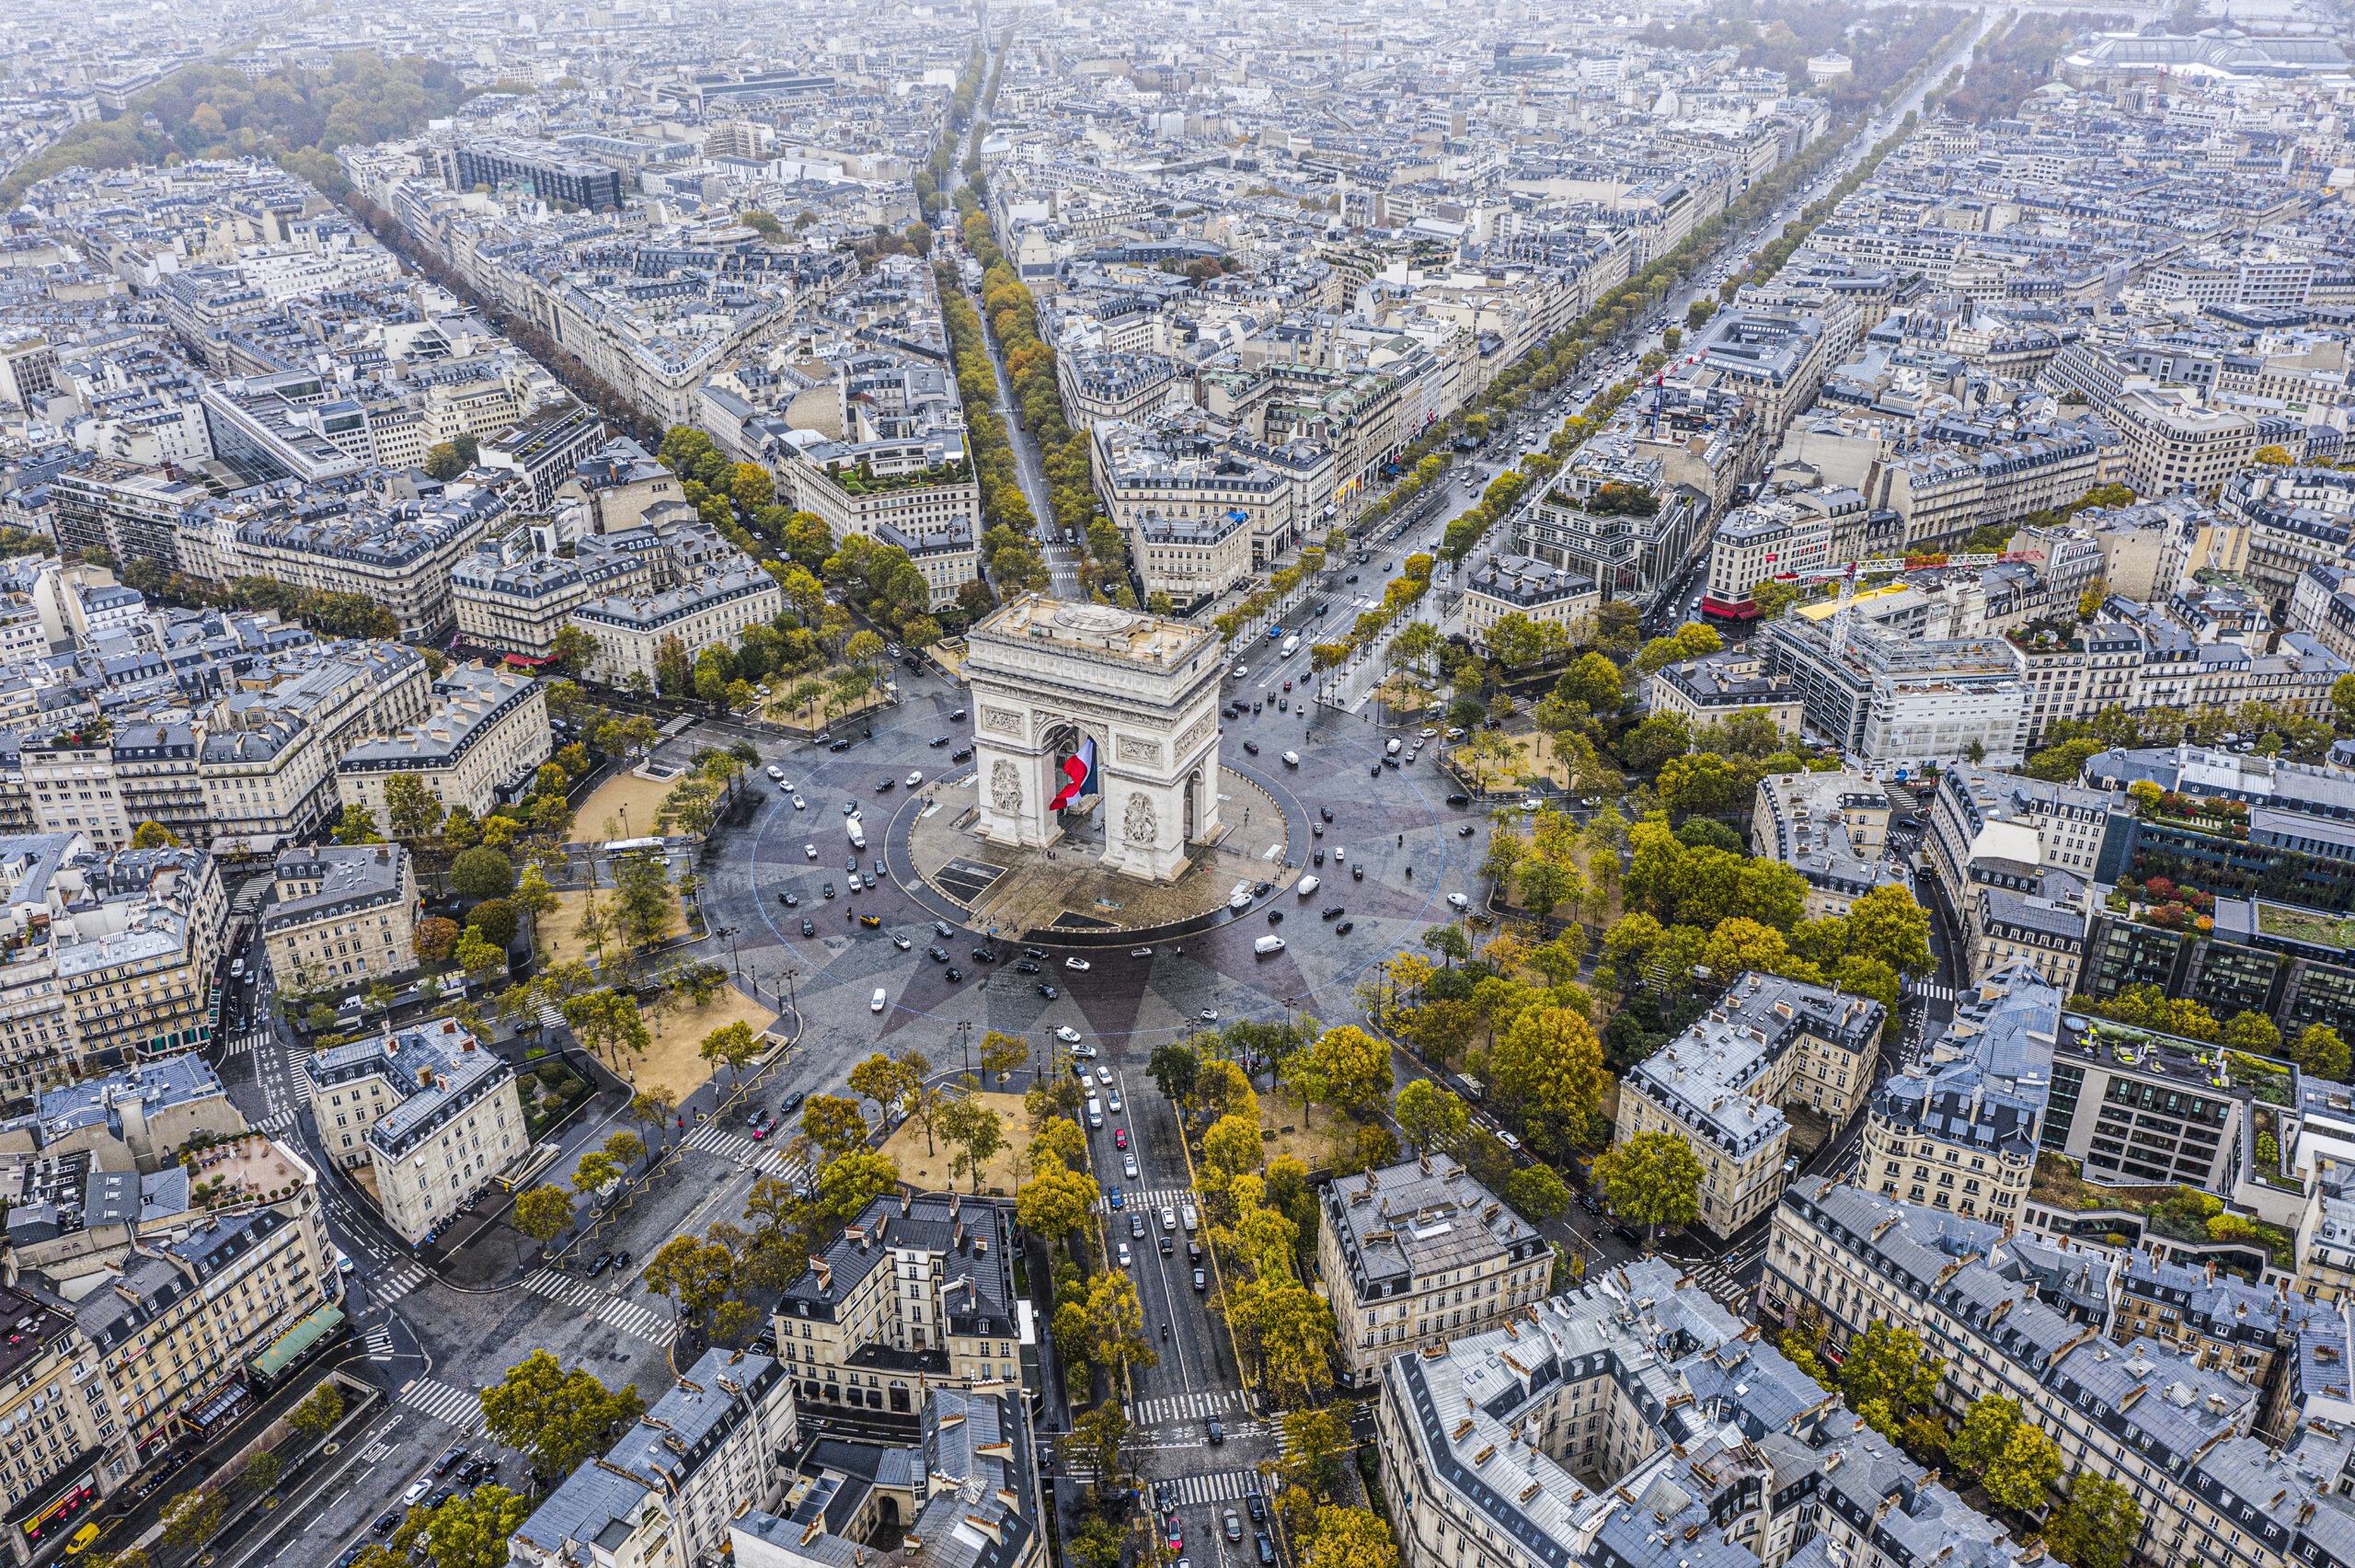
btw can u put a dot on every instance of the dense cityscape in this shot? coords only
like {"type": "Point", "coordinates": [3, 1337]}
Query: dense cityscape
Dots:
{"type": "Point", "coordinates": [515, 519]}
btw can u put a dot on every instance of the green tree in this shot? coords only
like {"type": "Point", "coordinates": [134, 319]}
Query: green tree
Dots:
{"type": "Point", "coordinates": [2020, 1475]}
{"type": "Point", "coordinates": [319, 1413]}
{"type": "Point", "coordinates": [472, 1529]}
{"type": "Point", "coordinates": [1097, 1437]}
{"type": "Point", "coordinates": [1653, 1179]}
{"type": "Point", "coordinates": [1432, 1118]}
{"type": "Point", "coordinates": [697, 1275]}
{"type": "Point", "coordinates": [1350, 1538]}
{"type": "Point", "coordinates": [1888, 924]}
{"type": "Point", "coordinates": [413, 807]}
{"type": "Point", "coordinates": [977, 1131]}
{"type": "Point", "coordinates": [543, 1212]}
{"type": "Point", "coordinates": [2320, 1053]}
{"type": "Point", "coordinates": [356, 826]}
{"type": "Point", "coordinates": [154, 836]}
{"type": "Point", "coordinates": [731, 1046]}
{"type": "Point", "coordinates": [1886, 1370]}
{"type": "Point", "coordinates": [2098, 1525]}
{"type": "Point", "coordinates": [193, 1517]}
{"type": "Point", "coordinates": [1055, 1202]}
{"type": "Point", "coordinates": [1985, 1431]}
{"type": "Point", "coordinates": [556, 1417]}
{"type": "Point", "coordinates": [1346, 1067]}
{"type": "Point", "coordinates": [480, 873]}
{"type": "Point", "coordinates": [2251, 1031]}
{"type": "Point", "coordinates": [1536, 1193]}
{"type": "Point", "coordinates": [833, 1125]}
{"type": "Point", "coordinates": [1547, 1065]}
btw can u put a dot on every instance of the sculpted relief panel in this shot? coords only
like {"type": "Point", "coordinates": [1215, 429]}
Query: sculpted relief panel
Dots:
{"type": "Point", "coordinates": [1005, 787]}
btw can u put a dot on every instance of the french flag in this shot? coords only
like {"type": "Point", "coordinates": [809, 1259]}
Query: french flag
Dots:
{"type": "Point", "coordinates": [1080, 769]}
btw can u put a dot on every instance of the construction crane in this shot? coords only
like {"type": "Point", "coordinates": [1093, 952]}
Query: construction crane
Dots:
{"type": "Point", "coordinates": [1848, 575]}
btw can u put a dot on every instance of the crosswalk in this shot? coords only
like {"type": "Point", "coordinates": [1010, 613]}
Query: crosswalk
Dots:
{"type": "Point", "coordinates": [1149, 1201]}
{"type": "Point", "coordinates": [1219, 1486]}
{"type": "Point", "coordinates": [396, 1283]}
{"type": "Point", "coordinates": [767, 1159]}
{"type": "Point", "coordinates": [380, 1344]}
{"type": "Point", "coordinates": [1720, 1285]}
{"type": "Point", "coordinates": [444, 1402]}
{"type": "Point", "coordinates": [276, 1122]}
{"type": "Point", "coordinates": [634, 1318]}
{"type": "Point", "coordinates": [298, 1073]}
{"type": "Point", "coordinates": [1179, 1407]}
{"type": "Point", "coordinates": [244, 1043]}
{"type": "Point", "coordinates": [1930, 990]}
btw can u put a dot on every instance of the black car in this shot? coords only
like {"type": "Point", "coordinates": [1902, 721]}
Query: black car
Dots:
{"type": "Point", "coordinates": [941, 928]}
{"type": "Point", "coordinates": [1263, 889]}
{"type": "Point", "coordinates": [387, 1522]}
{"type": "Point", "coordinates": [1318, 857]}
{"type": "Point", "coordinates": [1252, 747]}
{"type": "Point", "coordinates": [955, 973]}
{"type": "Point", "coordinates": [827, 888]}
{"type": "Point", "coordinates": [1590, 1202]}
{"type": "Point", "coordinates": [1375, 770]}
{"type": "Point", "coordinates": [1266, 1547]}
{"type": "Point", "coordinates": [788, 898]}
{"type": "Point", "coordinates": [937, 954]}
{"type": "Point", "coordinates": [604, 1260]}
{"type": "Point", "coordinates": [1258, 1509]}
{"type": "Point", "coordinates": [1351, 577]}
{"type": "Point", "coordinates": [839, 745]}
{"type": "Point", "coordinates": [1048, 992]}
{"type": "Point", "coordinates": [808, 928]}
{"type": "Point", "coordinates": [963, 754]}
{"type": "Point", "coordinates": [1275, 917]}
{"type": "Point", "coordinates": [956, 716]}
{"type": "Point", "coordinates": [885, 787]}
{"type": "Point", "coordinates": [1326, 812]}
{"type": "Point", "coordinates": [938, 741]}
{"type": "Point", "coordinates": [984, 955]}
{"type": "Point", "coordinates": [451, 1461]}
{"type": "Point", "coordinates": [1633, 1238]}
{"type": "Point", "coordinates": [1026, 967]}
{"type": "Point", "coordinates": [1459, 799]}
{"type": "Point", "coordinates": [1330, 912]}
{"type": "Point", "coordinates": [1034, 953]}
{"type": "Point", "coordinates": [1169, 1247]}
{"type": "Point", "coordinates": [1466, 831]}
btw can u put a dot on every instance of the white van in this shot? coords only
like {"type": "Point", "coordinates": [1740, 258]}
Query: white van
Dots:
{"type": "Point", "coordinates": [1268, 946]}
{"type": "Point", "coordinates": [1291, 759]}
{"type": "Point", "coordinates": [1391, 749]}
{"type": "Point", "coordinates": [875, 1004]}
{"type": "Point", "coordinates": [1095, 1111]}
{"type": "Point", "coordinates": [1308, 885]}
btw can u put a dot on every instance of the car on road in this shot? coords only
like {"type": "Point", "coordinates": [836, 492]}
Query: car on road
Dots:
{"type": "Point", "coordinates": [1139, 952]}
{"type": "Point", "coordinates": [1466, 831]}
{"type": "Point", "coordinates": [1114, 1101]}
{"type": "Point", "coordinates": [957, 716]}
{"type": "Point", "coordinates": [1050, 992]}
{"type": "Point", "coordinates": [1124, 1255]}
{"type": "Point", "coordinates": [1120, 1137]}
{"type": "Point", "coordinates": [915, 778]}
{"type": "Point", "coordinates": [963, 754]}
{"type": "Point", "coordinates": [937, 953]}
{"type": "Point", "coordinates": [827, 889]}
{"type": "Point", "coordinates": [1177, 1530]}
{"type": "Point", "coordinates": [1115, 1197]}
{"type": "Point", "coordinates": [1233, 1524]}
{"type": "Point", "coordinates": [387, 1522]}
{"type": "Point", "coordinates": [1202, 1280]}
{"type": "Point", "coordinates": [984, 955]}
{"type": "Point", "coordinates": [850, 807]}
{"type": "Point", "coordinates": [1217, 1432]}
{"type": "Point", "coordinates": [1208, 1016]}
{"type": "Point", "coordinates": [884, 786]}
{"type": "Point", "coordinates": [416, 1492]}
{"type": "Point", "coordinates": [1168, 1218]}
{"type": "Point", "coordinates": [1129, 1169]}
{"type": "Point", "coordinates": [788, 897]}
{"type": "Point", "coordinates": [938, 741]}
{"type": "Point", "coordinates": [1266, 1547]}
{"type": "Point", "coordinates": [1251, 1500]}
{"type": "Point", "coordinates": [793, 1101]}
{"type": "Point", "coordinates": [1330, 912]}
{"type": "Point", "coordinates": [604, 1260]}
{"type": "Point", "coordinates": [1104, 1075]}
{"type": "Point", "coordinates": [797, 805]}
{"type": "Point", "coordinates": [1026, 967]}
{"type": "Point", "coordinates": [1083, 1053]}
{"type": "Point", "coordinates": [1136, 1227]}
{"type": "Point", "coordinates": [1345, 928]}
{"type": "Point", "coordinates": [955, 973]}
{"type": "Point", "coordinates": [872, 922]}
{"type": "Point", "coordinates": [875, 1004]}
{"type": "Point", "coordinates": [1067, 1035]}
{"type": "Point", "coordinates": [1075, 964]}
{"type": "Point", "coordinates": [809, 850]}
{"type": "Point", "coordinates": [1252, 747]}
{"type": "Point", "coordinates": [1169, 1247]}
{"type": "Point", "coordinates": [902, 943]}
{"type": "Point", "coordinates": [1457, 900]}
{"type": "Point", "coordinates": [1326, 812]}
{"type": "Point", "coordinates": [807, 928]}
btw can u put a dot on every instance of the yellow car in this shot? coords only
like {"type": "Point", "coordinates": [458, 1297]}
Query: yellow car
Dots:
{"type": "Point", "coordinates": [873, 922]}
{"type": "Point", "coordinates": [82, 1539]}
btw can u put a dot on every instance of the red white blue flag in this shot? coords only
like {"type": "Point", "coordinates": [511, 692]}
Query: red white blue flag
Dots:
{"type": "Point", "coordinates": [1080, 769]}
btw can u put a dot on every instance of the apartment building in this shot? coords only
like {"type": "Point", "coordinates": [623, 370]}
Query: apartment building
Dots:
{"type": "Point", "coordinates": [915, 1293]}
{"type": "Point", "coordinates": [1978, 815]}
{"type": "Point", "coordinates": [1179, 474]}
{"type": "Point", "coordinates": [707, 605]}
{"type": "Point", "coordinates": [1897, 700]}
{"type": "Point", "coordinates": [918, 493]}
{"type": "Point", "coordinates": [1720, 1086]}
{"type": "Point", "coordinates": [1521, 585]}
{"type": "Point", "coordinates": [2223, 1323]}
{"type": "Point", "coordinates": [67, 1449]}
{"type": "Point", "coordinates": [340, 913]}
{"type": "Point", "coordinates": [135, 1118]}
{"type": "Point", "coordinates": [485, 737]}
{"type": "Point", "coordinates": [1831, 829]}
{"type": "Point", "coordinates": [1413, 1253]}
{"type": "Point", "coordinates": [512, 598]}
{"type": "Point", "coordinates": [1718, 685]}
{"type": "Point", "coordinates": [2171, 1425]}
{"type": "Point", "coordinates": [431, 1111]}
{"type": "Point", "coordinates": [664, 1495]}
{"type": "Point", "coordinates": [2265, 956]}
{"type": "Point", "coordinates": [395, 554]}
{"type": "Point", "coordinates": [1958, 1130]}
{"type": "Point", "coordinates": [1191, 559]}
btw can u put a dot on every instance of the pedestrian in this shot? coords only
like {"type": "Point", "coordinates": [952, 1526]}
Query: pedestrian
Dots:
{"type": "Point", "coordinates": [1402, 841]}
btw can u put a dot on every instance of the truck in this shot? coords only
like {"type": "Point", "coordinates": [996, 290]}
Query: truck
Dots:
{"type": "Point", "coordinates": [856, 831]}
{"type": "Point", "coordinates": [1268, 946]}
{"type": "Point", "coordinates": [1240, 898]}
{"type": "Point", "coordinates": [1292, 646]}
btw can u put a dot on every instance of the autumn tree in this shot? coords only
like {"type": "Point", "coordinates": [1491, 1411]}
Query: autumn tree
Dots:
{"type": "Point", "coordinates": [543, 1212]}
{"type": "Point", "coordinates": [556, 1417]}
{"type": "Point", "coordinates": [1653, 1179]}
{"type": "Point", "coordinates": [833, 1125]}
{"type": "Point", "coordinates": [2097, 1527]}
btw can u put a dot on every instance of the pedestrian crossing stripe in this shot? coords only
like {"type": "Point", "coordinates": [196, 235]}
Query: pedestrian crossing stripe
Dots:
{"type": "Point", "coordinates": [278, 1122]}
{"type": "Point", "coordinates": [380, 1344]}
{"type": "Point", "coordinates": [1145, 1200]}
{"type": "Point", "coordinates": [392, 1286]}
{"type": "Point", "coordinates": [713, 1139]}
{"type": "Point", "coordinates": [1192, 1491]}
{"type": "Point", "coordinates": [450, 1405]}
{"type": "Point", "coordinates": [566, 1289]}
{"type": "Point", "coordinates": [1178, 1407]}
{"type": "Point", "coordinates": [633, 1318]}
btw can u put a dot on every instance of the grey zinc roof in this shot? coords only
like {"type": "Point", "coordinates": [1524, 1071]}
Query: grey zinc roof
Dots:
{"type": "Point", "coordinates": [1411, 1221]}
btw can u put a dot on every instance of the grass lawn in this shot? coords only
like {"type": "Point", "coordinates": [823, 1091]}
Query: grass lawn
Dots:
{"type": "Point", "coordinates": [622, 807]}
{"type": "Point", "coordinates": [929, 1172]}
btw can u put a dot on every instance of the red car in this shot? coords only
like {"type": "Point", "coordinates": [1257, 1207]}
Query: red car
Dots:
{"type": "Point", "coordinates": [1120, 1137]}
{"type": "Point", "coordinates": [1176, 1535]}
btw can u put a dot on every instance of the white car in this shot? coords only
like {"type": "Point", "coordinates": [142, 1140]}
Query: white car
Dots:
{"type": "Point", "coordinates": [1124, 1254]}
{"type": "Point", "coordinates": [777, 774]}
{"type": "Point", "coordinates": [1239, 671]}
{"type": "Point", "coordinates": [875, 1004]}
{"type": "Point", "coordinates": [1427, 732]}
{"type": "Point", "coordinates": [1113, 1104]}
{"type": "Point", "coordinates": [809, 850]}
{"type": "Point", "coordinates": [1459, 901]}
{"type": "Point", "coordinates": [1084, 1053]}
{"type": "Point", "coordinates": [1103, 1075]}
{"type": "Point", "coordinates": [1074, 963]}
{"type": "Point", "coordinates": [1066, 1033]}
{"type": "Point", "coordinates": [915, 779]}
{"type": "Point", "coordinates": [1168, 1218]}
{"type": "Point", "coordinates": [1129, 1166]}
{"type": "Point", "coordinates": [797, 803]}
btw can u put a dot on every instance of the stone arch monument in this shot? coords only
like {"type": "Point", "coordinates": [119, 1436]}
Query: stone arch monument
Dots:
{"type": "Point", "coordinates": [1050, 674]}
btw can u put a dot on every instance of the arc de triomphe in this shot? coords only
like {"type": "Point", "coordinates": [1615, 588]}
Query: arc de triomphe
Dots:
{"type": "Point", "coordinates": [1048, 674]}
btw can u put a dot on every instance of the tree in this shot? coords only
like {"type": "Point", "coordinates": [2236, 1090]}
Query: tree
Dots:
{"type": "Point", "coordinates": [644, 902]}
{"type": "Point", "coordinates": [317, 1415]}
{"type": "Point", "coordinates": [1431, 1117]}
{"type": "Point", "coordinates": [556, 1417]}
{"type": "Point", "coordinates": [833, 1125]}
{"type": "Point", "coordinates": [697, 1275]}
{"type": "Point", "coordinates": [1116, 1322]}
{"type": "Point", "coordinates": [411, 808]}
{"type": "Point", "coordinates": [1346, 1066]}
{"type": "Point", "coordinates": [1653, 1179]}
{"type": "Point", "coordinates": [1887, 924]}
{"type": "Point", "coordinates": [2097, 1527]}
{"type": "Point", "coordinates": [1548, 1066]}
{"type": "Point", "coordinates": [1536, 1193]}
{"type": "Point", "coordinates": [1002, 1053]}
{"type": "Point", "coordinates": [436, 936]}
{"type": "Point", "coordinates": [471, 1531]}
{"type": "Point", "coordinates": [356, 826]}
{"type": "Point", "coordinates": [596, 1168]}
{"type": "Point", "coordinates": [2019, 1476]}
{"type": "Point", "coordinates": [605, 1020]}
{"type": "Point", "coordinates": [733, 1047]}
{"type": "Point", "coordinates": [1055, 1202]}
{"type": "Point", "coordinates": [1231, 1148]}
{"type": "Point", "coordinates": [2251, 1031]}
{"type": "Point", "coordinates": [2320, 1053]}
{"type": "Point", "coordinates": [977, 1130]}
{"type": "Point", "coordinates": [882, 1080]}
{"type": "Point", "coordinates": [543, 1212]}
{"type": "Point", "coordinates": [480, 873]}
{"type": "Point", "coordinates": [2342, 701]}
{"type": "Point", "coordinates": [654, 1106]}
{"type": "Point", "coordinates": [850, 1182]}
{"type": "Point", "coordinates": [1097, 1437]}
{"type": "Point", "coordinates": [1350, 1538]}
{"type": "Point", "coordinates": [1594, 681]}
{"type": "Point", "coordinates": [193, 1517]}
{"type": "Point", "coordinates": [476, 956]}
{"type": "Point", "coordinates": [1985, 1431]}
{"type": "Point", "coordinates": [1173, 1069]}
{"type": "Point", "coordinates": [495, 920]}
{"type": "Point", "coordinates": [154, 836]}
{"type": "Point", "coordinates": [1886, 1378]}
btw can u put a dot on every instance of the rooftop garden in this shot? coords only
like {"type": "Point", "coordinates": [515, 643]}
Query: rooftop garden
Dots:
{"type": "Point", "coordinates": [2179, 1213]}
{"type": "Point", "coordinates": [2047, 637]}
{"type": "Point", "coordinates": [2161, 903]}
{"type": "Point", "coordinates": [864, 481]}
{"type": "Point", "coordinates": [2201, 814]}
{"type": "Point", "coordinates": [1624, 501]}
{"type": "Point", "coordinates": [2306, 925]}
